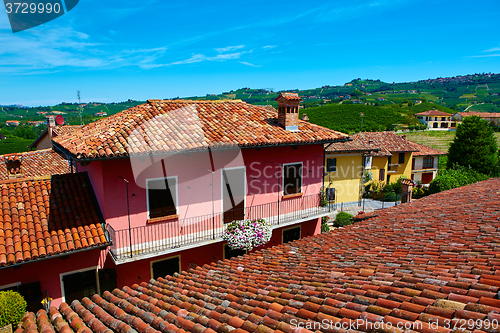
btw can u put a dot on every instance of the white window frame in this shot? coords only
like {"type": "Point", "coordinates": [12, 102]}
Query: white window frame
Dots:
{"type": "Point", "coordinates": [164, 259]}
{"type": "Point", "coordinates": [301, 177]}
{"type": "Point", "coordinates": [62, 275]}
{"type": "Point", "coordinates": [176, 191]}
{"type": "Point", "coordinates": [10, 285]}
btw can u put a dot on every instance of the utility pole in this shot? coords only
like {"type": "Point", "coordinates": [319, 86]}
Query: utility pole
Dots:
{"type": "Point", "coordinates": [80, 106]}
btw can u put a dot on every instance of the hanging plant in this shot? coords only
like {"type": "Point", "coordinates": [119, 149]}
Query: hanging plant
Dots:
{"type": "Point", "coordinates": [247, 234]}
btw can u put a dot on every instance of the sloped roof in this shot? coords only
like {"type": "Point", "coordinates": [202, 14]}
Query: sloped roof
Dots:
{"type": "Point", "coordinates": [37, 163]}
{"type": "Point", "coordinates": [388, 142]}
{"type": "Point", "coordinates": [47, 217]}
{"type": "Point", "coordinates": [423, 150]}
{"type": "Point", "coordinates": [160, 127]}
{"type": "Point", "coordinates": [480, 114]}
{"type": "Point", "coordinates": [434, 261]}
{"type": "Point", "coordinates": [351, 146]}
{"type": "Point", "coordinates": [57, 130]}
{"type": "Point", "coordinates": [434, 113]}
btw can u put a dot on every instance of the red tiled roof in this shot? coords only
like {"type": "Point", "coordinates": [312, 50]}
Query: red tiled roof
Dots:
{"type": "Point", "coordinates": [34, 164]}
{"type": "Point", "coordinates": [351, 146]}
{"type": "Point", "coordinates": [57, 130]}
{"type": "Point", "coordinates": [432, 264]}
{"type": "Point", "coordinates": [159, 127]}
{"type": "Point", "coordinates": [480, 114]}
{"type": "Point", "coordinates": [388, 142]}
{"type": "Point", "coordinates": [433, 113]}
{"type": "Point", "coordinates": [424, 150]}
{"type": "Point", "coordinates": [42, 218]}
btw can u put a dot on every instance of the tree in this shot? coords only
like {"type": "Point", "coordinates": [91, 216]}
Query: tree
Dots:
{"type": "Point", "coordinates": [474, 146]}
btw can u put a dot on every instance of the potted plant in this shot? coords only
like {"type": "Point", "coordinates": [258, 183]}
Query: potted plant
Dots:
{"type": "Point", "coordinates": [247, 234]}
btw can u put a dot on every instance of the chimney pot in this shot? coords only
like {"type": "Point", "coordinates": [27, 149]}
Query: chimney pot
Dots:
{"type": "Point", "coordinates": [288, 111]}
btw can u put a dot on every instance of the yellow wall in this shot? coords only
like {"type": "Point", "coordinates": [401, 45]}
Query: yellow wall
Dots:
{"type": "Point", "coordinates": [347, 179]}
{"type": "Point", "coordinates": [395, 172]}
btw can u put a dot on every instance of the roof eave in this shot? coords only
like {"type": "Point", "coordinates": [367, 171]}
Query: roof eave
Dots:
{"type": "Point", "coordinates": [321, 142]}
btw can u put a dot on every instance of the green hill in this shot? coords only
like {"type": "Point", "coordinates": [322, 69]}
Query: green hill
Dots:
{"type": "Point", "coordinates": [347, 118]}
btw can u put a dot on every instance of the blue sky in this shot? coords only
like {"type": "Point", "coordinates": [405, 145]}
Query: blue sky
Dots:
{"type": "Point", "coordinates": [116, 50]}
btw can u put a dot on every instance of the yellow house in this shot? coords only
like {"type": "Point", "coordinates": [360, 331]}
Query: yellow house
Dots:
{"type": "Point", "coordinates": [344, 167]}
{"type": "Point", "coordinates": [394, 158]}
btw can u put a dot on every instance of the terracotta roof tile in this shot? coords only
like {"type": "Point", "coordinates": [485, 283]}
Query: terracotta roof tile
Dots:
{"type": "Point", "coordinates": [159, 127]}
{"type": "Point", "coordinates": [33, 224]}
{"type": "Point", "coordinates": [429, 264]}
{"type": "Point", "coordinates": [434, 113]}
{"type": "Point", "coordinates": [33, 164]}
{"type": "Point", "coordinates": [387, 142]}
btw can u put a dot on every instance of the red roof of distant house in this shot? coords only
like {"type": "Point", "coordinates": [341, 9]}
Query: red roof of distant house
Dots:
{"type": "Point", "coordinates": [47, 217]}
{"type": "Point", "coordinates": [480, 114]}
{"type": "Point", "coordinates": [424, 150]}
{"type": "Point", "coordinates": [430, 264]}
{"type": "Point", "coordinates": [160, 127]}
{"type": "Point", "coordinates": [34, 164]}
{"type": "Point", "coordinates": [387, 142]}
{"type": "Point", "coordinates": [433, 113]}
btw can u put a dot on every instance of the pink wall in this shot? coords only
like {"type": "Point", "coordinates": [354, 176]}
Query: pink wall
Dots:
{"type": "Point", "coordinates": [194, 190]}
{"type": "Point", "coordinates": [48, 272]}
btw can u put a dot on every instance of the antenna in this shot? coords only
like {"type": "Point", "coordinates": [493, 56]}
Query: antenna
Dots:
{"type": "Point", "coordinates": [268, 90]}
{"type": "Point", "coordinates": [80, 105]}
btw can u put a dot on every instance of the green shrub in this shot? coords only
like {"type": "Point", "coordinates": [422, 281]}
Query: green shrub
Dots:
{"type": "Point", "coordinates": [342, 219]}
{"type": "Point", "coordinates": [12, 308]}
{"type": "Point", "coordinates": [390, 196]}
{"type": "Point", "coordinates": [418, 192]}
{"type": "Point", "coordinates": [455, 177]}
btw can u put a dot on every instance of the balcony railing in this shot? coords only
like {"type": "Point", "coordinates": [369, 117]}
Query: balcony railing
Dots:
{"type": "Point", "coordinates": [156, 238]}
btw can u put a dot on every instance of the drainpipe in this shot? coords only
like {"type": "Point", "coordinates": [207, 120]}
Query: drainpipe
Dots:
{"type": "Point", "coordinates": [323, 189]}
{"type": "Point", "coordinates": [128, 215]}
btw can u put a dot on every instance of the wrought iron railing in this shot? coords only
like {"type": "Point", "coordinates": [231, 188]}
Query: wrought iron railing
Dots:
{"type": "Point", "coordinates": [154, 238]}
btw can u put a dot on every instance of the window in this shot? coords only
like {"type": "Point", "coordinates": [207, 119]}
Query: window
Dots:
{"type": "Point", "coordinates": [428, 162]}
{"type": "Point", "coordinates": [162, 268]}
{"type": "Point", "coordinates": [368, 162]}
{"type": "Point", "coordinates": [292, 178]}
{"type": "Point", "coordinates": [79, 285]}
{"type": "Point", "coordinates": [401, 158]}
{"type": "Point", "coordinates": [230, 253]}
{"type": "Point", "coordinates": [162, 197]}
{"type": "Point", "coordinates": [389, 162]}
{"type": "Point", "coordinates": [331, 165]}
{"type": "Point", "coordinates": [233, 194]}
{"type": "Point", "coordinates": [381, 175]}
{"type": "Point", "coordinates": [31, 292]}
{"type": "Point", "coordinates": [291, 234]}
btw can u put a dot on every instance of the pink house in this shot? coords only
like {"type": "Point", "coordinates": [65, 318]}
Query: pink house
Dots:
{"type": "Point", "coordinates": [167, 177]}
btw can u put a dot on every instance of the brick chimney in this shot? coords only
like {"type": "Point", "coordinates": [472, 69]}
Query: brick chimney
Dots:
{"type": "Point", "coordinates": [13, 164]}
{"type": "Point", "coordinates": [288, 111]}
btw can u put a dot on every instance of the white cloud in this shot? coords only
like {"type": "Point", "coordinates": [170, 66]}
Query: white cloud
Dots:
{"type": "Point", "coordinates": [229, 48]}
{"type": "Point", "coordinates": [486, 55]}
{"type": "Point", "coordinates": [268, 47]}
{"type": "Point", "coordinates": [494, 49]}
{"type": "Point", "coordinates": [248, 64]}
{"type": "Point", "coordinates": [39, 50]}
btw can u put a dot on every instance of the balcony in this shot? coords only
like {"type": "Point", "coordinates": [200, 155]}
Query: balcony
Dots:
{"type": "Point", "coordinates": [162, 238]}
